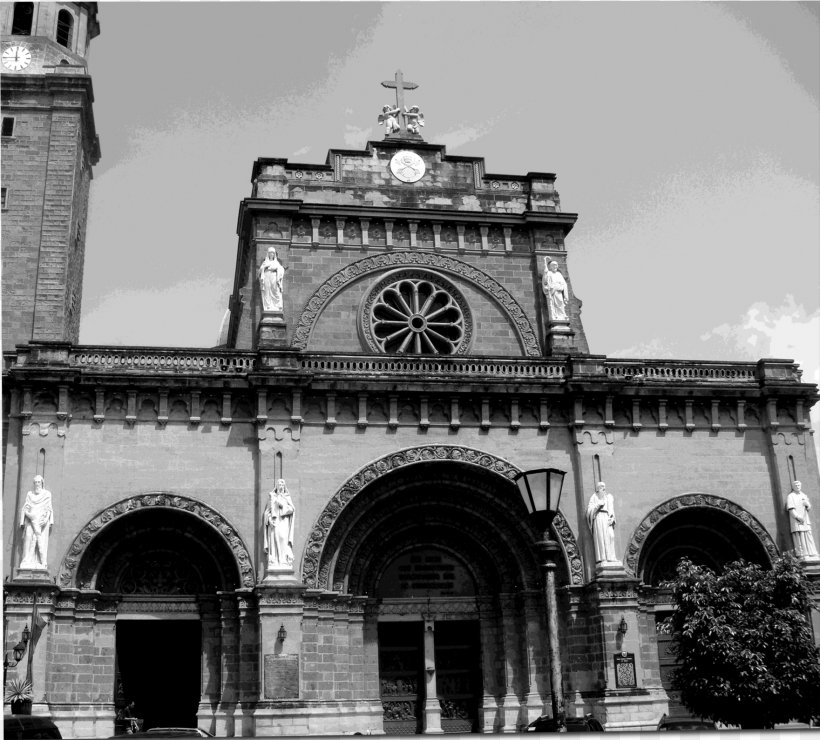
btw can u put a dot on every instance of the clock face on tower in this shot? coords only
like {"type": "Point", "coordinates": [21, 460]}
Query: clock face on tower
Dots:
{"type": "Point", "coordinates": [16, 58]}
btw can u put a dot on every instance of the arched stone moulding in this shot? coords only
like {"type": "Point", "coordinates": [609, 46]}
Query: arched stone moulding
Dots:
{"type": "Point", "coordinates": [696, 500]}
{"type": "Point", "coordinates": [527, 336]}
{"type": "Point", "coordinates": [311, 574]}
{"type": "Point", "coordinates": [161, 499]}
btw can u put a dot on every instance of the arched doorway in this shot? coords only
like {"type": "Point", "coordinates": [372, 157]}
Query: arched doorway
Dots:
{"type": "Point", "coordinates": [164, 562]}
{"type": "Point", "coordinates": [445, 553]}
{"type": "Point", "coordinates": [708, 530]}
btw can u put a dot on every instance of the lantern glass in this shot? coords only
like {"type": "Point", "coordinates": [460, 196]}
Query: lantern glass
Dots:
{"type": "Point", "coordinates": [19, 650]}
{"type": "Point", "coordinates": [541, 489]}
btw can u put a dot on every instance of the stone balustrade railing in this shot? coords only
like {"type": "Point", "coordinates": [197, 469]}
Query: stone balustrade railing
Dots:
{"type": "Point", "coordinates": [170, 361]}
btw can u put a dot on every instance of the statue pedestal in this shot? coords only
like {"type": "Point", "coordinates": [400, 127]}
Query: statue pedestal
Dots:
{"type": "Point", "coordinates": [33, 575]}
{"type": "Point", "coordinates": [560, 338]}
{"type": "Point", "coordinates": [272, 330]}
{"type": "Point", "coordinates": [280, 575]}
{"type": "Point", "coordinates": [610, 569]}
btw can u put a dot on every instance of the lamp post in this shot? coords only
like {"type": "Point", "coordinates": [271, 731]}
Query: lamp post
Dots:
{"type": "Point", "coordinates": [541, 492]}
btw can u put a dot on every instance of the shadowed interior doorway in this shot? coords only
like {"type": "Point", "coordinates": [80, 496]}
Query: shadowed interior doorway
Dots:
{"type": "Point", "coordinates": [158, 668]}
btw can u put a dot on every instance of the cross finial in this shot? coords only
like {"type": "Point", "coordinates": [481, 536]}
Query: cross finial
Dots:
{"type": "Point", "coordinates": [400, 86]}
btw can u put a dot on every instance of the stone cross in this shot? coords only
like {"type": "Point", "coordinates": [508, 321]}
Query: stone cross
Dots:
{"type": "Point", "coordinates": [399, 85]}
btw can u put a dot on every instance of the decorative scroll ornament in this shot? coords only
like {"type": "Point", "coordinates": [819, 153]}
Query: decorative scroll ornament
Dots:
{"type": "Point", "coordinates": [319, 534]}
{"type": "Point", "coordinates": [702, 500]}
{"type": "Point", "coordinates": [68, 568]}
{"type": "Point", "coordinates": [335, 283]}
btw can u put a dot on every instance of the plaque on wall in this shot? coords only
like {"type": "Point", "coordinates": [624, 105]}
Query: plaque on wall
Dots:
{"type": "Point", "coordinates": [281, 676]}
{"type": "Point", "coordinates": [625, 671]}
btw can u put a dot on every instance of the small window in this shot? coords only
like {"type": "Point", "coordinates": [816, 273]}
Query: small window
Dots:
{"type": "Point", "coordinates": [8, 125]}
{"type": "Point", "coordinates": [4, 198]}
{"type": "Point", "coordinates": [65, 25]}
{"type": "Point", "coordinates": [21, 21]}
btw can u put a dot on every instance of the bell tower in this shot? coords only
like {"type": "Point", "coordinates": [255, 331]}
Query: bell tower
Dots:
{"type": "Point", "coordinates": [49, 145]}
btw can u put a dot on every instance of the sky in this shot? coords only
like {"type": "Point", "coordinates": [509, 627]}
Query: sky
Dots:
{"type": "Point", "coordinates": [683, 134]}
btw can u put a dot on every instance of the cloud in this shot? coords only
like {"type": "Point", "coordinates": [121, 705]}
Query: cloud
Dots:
{"type": "Point", "coordinates": [357, 137]}
{"type": "Point", "coordinates": [660, 349]}
{"type": "Point", "coordinates": [299, 152]}
{"type": "Point", "coordinates": [786, 332]}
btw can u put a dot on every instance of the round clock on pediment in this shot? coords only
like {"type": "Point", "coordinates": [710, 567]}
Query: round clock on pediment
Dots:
{"type": "Point", "coordinates": [16, 57]}
{"type": "Point", "coordinates": [407, 166]}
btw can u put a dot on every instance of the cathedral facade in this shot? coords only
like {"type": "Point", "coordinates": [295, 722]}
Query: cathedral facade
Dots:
{"type": "Point", "coordinates": [315, 527]}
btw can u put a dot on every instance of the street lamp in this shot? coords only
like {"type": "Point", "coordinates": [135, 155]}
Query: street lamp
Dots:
{"type": "Point", "coordinates": [19, 650]}
{"type": "Point", "coordinates": [541, 492]}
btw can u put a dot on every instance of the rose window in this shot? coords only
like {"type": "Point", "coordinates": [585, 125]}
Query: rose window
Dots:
{"type": "Point", "coordinates": [415, 312]}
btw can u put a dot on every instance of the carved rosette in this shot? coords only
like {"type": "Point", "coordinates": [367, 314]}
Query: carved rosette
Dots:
{"type": "Point", "coordinates": [68, 569]}
{"type": "Point", "coordinates": [327, 290]}
{"type": "Point", "coordinates": [689, 501]}
{"type": "Point", "coordinates": [317, 577]}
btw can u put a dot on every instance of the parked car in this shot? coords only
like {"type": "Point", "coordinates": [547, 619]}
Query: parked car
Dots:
{"type": "Point", "coordinates": [686, 724]}
{"type": "Point", "coordinates": [25, 726]}
{"type": "Point", "coordinates": [546, 723]}
{"type": "Point", "coordinates": [155, 733]}
{"type": "Point", "coordinates": [179, 732]}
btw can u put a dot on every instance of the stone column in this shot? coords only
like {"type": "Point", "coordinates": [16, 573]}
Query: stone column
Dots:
{"type": "Point", "coordinates": [229, 664]}
{"type": "Point", "coordinates": [432, 709]}
{"type": "Point", "coordinates": [492, 658]}
{"type": "Point", "coordinates": [511, 642]}
{"type": "Point", "coordinates": [536, 665]}
{"type": "Point", "coordinates": [249, 652]}
{"type": "Point", "coordinates": [211, 660]}
{"type": "Point", "coordinates": [280, 615]}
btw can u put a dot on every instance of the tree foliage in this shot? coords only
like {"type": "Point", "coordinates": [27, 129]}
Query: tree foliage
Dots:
{"type": "Point", "coordinates": [744, 644]}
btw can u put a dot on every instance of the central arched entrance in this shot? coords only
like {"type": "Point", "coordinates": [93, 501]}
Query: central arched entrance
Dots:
{"type": "Point", "coordinates": [444, 552]}
{"type": "Point", "coordinates": [165, 564]}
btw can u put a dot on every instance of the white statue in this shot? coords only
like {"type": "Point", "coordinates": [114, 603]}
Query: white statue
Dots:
{"type": "Point", "coordinates": [279, 516]}
{"type": "Point", "coordinates": [413, 118]}
{"type": "Point", "coordinates": [271, 275]}
{"type": "Point", "coordinates": [36, 519]}
{"type": "Point", "coordinates": [798, 506]}
{"type": "Point", "coordinates": [601, 521]}
{"type": "Point", "coordinates": [556, 290]}
{"type": "Point", "coordinates": [389, 117]}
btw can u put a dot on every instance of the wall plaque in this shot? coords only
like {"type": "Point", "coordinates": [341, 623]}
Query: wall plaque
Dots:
{"type": "Point", "coordinates": [625, 671]}
{"type": "Point", "coordinates": [281, 676]}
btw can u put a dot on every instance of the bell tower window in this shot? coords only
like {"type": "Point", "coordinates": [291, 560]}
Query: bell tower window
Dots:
{"type": "Point", "coordinates": [21, 21]}
{"type": "Point", "coordinates": [65, 26]}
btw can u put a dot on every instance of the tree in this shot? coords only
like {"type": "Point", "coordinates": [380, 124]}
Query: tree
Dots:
{"type": "Point", "coordinates": [744, 644]}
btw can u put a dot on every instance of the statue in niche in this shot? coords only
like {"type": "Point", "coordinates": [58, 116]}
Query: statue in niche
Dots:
{"type": "Point", "coordinates": [798, 506]}
{"type": "Point", "coordinates": [390, 118]}
{"type": "Point", "coordinates": [36, 519]}
{"type": "Point", "coordinates": [601, 521]}
{"type": "Point", "coordinates": [556, 290]}
{"type": "Point", "coordinates": [413, 119]}
{"type": "Point", "coordinates": [271, 275]}
{"type": "Point", "coordinates": [278, 519]}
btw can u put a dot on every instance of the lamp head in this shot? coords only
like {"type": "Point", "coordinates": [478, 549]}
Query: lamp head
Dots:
{"type": "Point", "coordinates": [541, 492]}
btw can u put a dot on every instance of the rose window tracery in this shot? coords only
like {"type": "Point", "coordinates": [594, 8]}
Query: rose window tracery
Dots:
{"type": "Point", "coordinates": [415, 312]}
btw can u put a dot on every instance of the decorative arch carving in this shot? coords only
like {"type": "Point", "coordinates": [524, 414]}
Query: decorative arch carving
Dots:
{"type": "Point", "coordinates": [701, 500]}
{"type": "Point", "coordinates": [487, 284]}
{"type": "Point", "coordinates": [68, 568]}
{"type": "Point", "coordinates": [317, 577]}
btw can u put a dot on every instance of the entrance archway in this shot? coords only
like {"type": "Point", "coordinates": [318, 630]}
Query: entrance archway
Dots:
{"type": "Point", "coordinates": [708, 530]}
{"type": "Point", "coordinates": [444, 550]}
{"type": "Point", "coordinates": [161, 563]}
